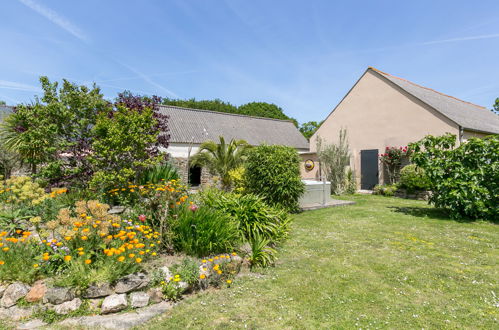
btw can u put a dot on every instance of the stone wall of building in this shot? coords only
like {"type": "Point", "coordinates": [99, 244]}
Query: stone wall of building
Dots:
{"type": "Point", "coordinates": [207, 179]}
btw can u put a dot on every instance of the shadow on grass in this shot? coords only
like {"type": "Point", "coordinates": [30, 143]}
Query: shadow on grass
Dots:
{"type": "Point", "coordinates": [426, 212]}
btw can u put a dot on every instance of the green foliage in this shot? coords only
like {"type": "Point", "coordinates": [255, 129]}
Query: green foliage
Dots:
{"type": "Point", "coordinates": [465, 179]}
{"type": "Point", "coordinates": [55, 131]}
{"type": "Point", "coordinates": [212, 105]}
{"type": "Point", "coordinates": [273, 172]}
{"type": "Point", "coordinates": [264, 109]}
{"type": "Point", "coordinates": [258, 109]}
{"type": "Point", "coordinates": [187, 270]}
{"type": "Point", "coordinates": [385, 189]}
{"type": "Point", "coordinates": [16, 264]}
{"type": "Point", "coordinates": [413, 178]}
{"type": "Point", "coordinates": [253, 216]}
{"type": "Point", "coordinates": [392, 162]}
{"type": "Point", "coordinates": [9, 160]}
{"type": "Point", "coordinates": [237, 179]}
{"type": "Point", "coordinates": [351, 182]}
{"type": "Point", "coordinates": [159, 173]}
{"type": "Point", "coordinates": [309, 128]}
{"type": "Point", "coordinates": [221, 158]}
{"type": "Point", "coordinates": [204, 231]}
{"type": "Point", "coordinates": [172, 290]}
{"type": "Point", "coordinates": [496, 106]}
{"type": "Point", "coordinates": [335, 158]}
{"type": "Point", "coordinates": [120, 146]}
{"type": "Point", "coordinates": [261, 254]}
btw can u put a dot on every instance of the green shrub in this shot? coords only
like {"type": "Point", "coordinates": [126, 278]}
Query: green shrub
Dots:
{"type": "Point", "coordinates": [261, 254]}
{"type": "Point", "coordinates": [385, 190]}
{"type": "Point", "coordinates": [413, 178]}
{"type": "Point", "coordinates": [463, 180]}
{"type": "Point", "coordinates": [253, 216]}
{"type": "Point", "coordinates": [351, 182]}
{"type": "Point", "coordinates": [187, 270]}
{"type": "Point", "coordinates": [273, 172]}
{"type": "Point", "coordinates": [157, 174]}
{"type": "Point", "coordinates": [204, 231]}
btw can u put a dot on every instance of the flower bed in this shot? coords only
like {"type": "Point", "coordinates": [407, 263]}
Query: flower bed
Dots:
{"type": "Point", "coordinates": [149, 286]}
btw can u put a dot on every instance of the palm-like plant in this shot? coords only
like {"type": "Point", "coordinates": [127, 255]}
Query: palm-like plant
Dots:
{"type": "Point", "coordinates": [220, 158]}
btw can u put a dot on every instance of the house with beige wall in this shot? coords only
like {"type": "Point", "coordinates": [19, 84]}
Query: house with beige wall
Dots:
{"type": "Point", "coordinates": [382, 110]}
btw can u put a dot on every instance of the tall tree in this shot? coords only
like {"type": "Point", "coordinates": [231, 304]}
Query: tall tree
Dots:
{"type": "Point", "coordinates": [308, 129]}
{"type": "Point", "coordinates": [258, 109]}
{"type": "Point", "coordinates": [496, 106]}
{"type": "Point", "coordinates": [55, 130]}
{"type": "Point", "coordinates": [221, 158]}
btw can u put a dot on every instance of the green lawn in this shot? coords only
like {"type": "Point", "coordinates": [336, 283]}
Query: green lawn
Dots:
{"type": "Point", "coordinates": [382, 263]}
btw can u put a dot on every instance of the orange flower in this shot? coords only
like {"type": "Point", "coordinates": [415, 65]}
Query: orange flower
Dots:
{"type": "Point", "coordinates": [2, 262]}
{"type": "Point", "coordinates": [88, 261]}
{"type": "Point", "coordinates": [67, 258]}
{"type": "Point", "coordinates": [121, 259]}
{"type": "Point", "coordinates": [138, 260]}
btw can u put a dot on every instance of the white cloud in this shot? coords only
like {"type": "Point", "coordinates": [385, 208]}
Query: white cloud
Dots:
{"type": "Point", "coordinates": [5, 84]}
{"type": "Point", "coordinates": [148, 79]}
{"type": "Point", "coordinates": [485, 36]}
{"type": "Point", "coordinates": [55, 18]}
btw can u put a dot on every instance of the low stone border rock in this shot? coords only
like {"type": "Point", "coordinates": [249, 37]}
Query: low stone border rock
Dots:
{"type": "Point", "coordinates": [418, 195]}
{"type": "Point", "coordinates": [132, 291]}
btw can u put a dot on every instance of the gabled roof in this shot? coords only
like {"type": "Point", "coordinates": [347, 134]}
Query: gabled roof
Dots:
{"type": "Point", "coordinates": [5, 110]}
{"type": "Point", "coordinates": [197, 126]}
{"type": "Point", "coordinates": [467, 115]}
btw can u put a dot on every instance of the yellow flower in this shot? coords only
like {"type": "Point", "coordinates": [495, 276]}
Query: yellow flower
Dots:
{"type": "Point", "coordinates": [84, 238]}
{"type": "Point", "coordinates": [81, 253]}
{"type": "Point", "coordinates": [88, 261]}
{"type": "Point", "coordinates": [176, 279]}
{"type": "Point", "coordinates": [219, 272]}
{"type": "Point", "coordinates": [121, 259]}
{"type": "Point", "coordinates": [202, 276]}
{"type": "Point", "coordinates": [203, 261]}
{"type": "Point", "coordinates": [131, 255]}
{"type": "Point", "coordinates": [35, 266]}
{"type": "Point", "coordinates": [67, 258]}
{"type": "Point", "coordinates": [45, 258]}
{"type": "Point", "coordinates": [6, 249]}
{"type": "Point", "coordinates": [229, 281]}
{"type": "Point", "coordinates": [153, 254]}
{"type": "Point", "coordinates": [138, 260]}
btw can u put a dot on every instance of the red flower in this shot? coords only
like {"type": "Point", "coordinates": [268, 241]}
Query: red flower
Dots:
{"type": "Point", "coordinates": [142, 217]}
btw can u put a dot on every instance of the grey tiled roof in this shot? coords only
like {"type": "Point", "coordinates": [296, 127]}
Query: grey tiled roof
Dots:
{"type": "Point", "coordinates": [5, 110]}
{"type": "Point", "coordinates": [467, 115]}
{"type": "Point", "coordinates": [196, 125]}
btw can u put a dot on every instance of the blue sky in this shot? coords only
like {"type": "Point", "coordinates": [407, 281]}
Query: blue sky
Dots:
{"type": "Point", "coordinates": [302, 55]}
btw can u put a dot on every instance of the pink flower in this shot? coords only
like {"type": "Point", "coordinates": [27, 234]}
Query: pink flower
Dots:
{"type": "Point", "coordinates": [142, 217]}
{"type": "Point", "coordinates": [193, 207]}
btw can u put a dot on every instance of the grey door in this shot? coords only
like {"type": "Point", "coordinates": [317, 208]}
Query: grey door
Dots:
{"type": "Point", "coordinates": [368, 169]}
